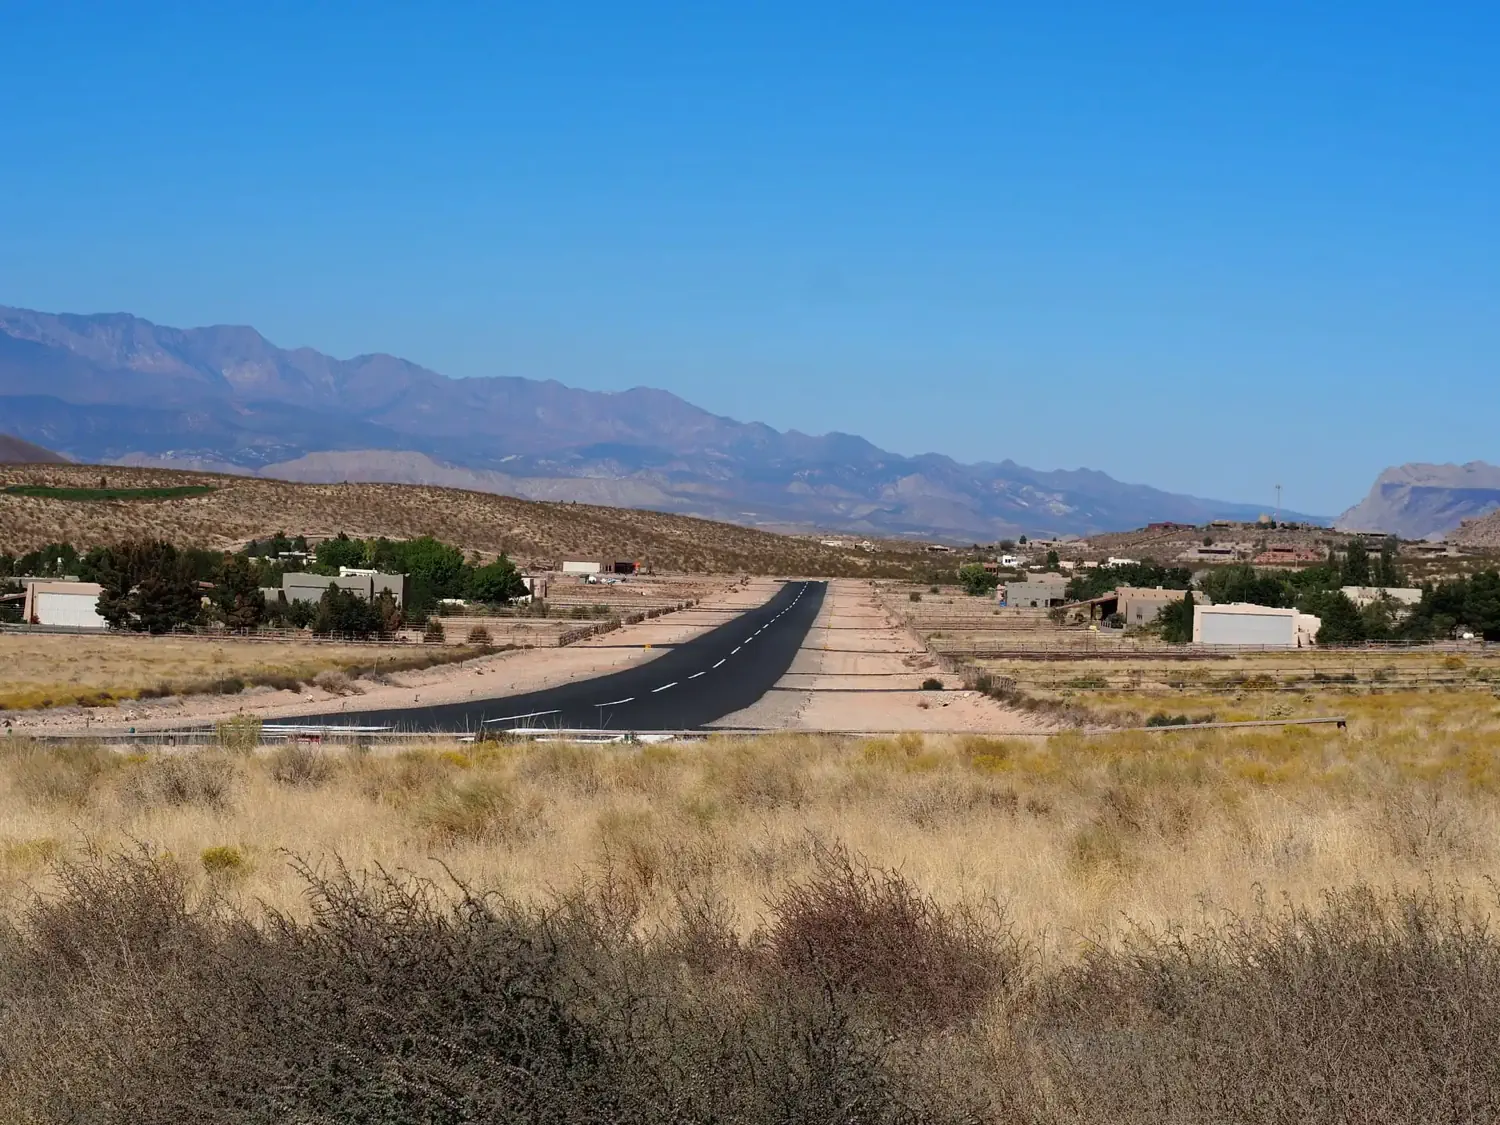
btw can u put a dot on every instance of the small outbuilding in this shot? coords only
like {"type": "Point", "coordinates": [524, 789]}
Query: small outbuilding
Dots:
{"type": "Point", "coordinates": [1254, 625]}
{"type": "Point", "coordinates": [63, 603]}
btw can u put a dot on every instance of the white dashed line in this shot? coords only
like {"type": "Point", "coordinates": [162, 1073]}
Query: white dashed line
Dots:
{"type": "Point", "coordinates": [737, 649]}
{"type": "Point", "coordinates": [528, 715]}
{"type": "Point", "coordinates": [695, 675]}
{"type": "Point", "coordinates": [616, 702]}
{"type": "Point", "coordinates": [663, 687]}
{"type": "Point", "coordinates": [721, 662]}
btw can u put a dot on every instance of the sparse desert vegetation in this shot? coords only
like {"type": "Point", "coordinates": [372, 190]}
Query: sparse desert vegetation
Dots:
{"type": "Point", "coordinates": [235, 510]}
{"type": "Point", "coordinates": [43, 670]}
{"type": "Point", "coordinates": [1192, 926]}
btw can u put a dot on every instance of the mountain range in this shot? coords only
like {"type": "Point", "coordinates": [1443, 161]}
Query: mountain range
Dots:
{"type": "Point", "coordinates": [1418, 501]}
{"type": "Point", "coordinates": [114, 388]}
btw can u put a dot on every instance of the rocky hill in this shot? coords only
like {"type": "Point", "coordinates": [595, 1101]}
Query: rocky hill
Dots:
{"type": "Point", "coordinates": [115, 388]}
{"type": "Point", "coordinates": [1419, 501]}
{"type": "Point", "coordinates": [14, 451]}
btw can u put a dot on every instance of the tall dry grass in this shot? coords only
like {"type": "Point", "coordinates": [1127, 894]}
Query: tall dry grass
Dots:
{"type": "Point", "coordinates": [1276, 925]}
{"type": "Point", "coordinates": [1072, 832]}
{"type": "Point", "coordinates": [51, 670]}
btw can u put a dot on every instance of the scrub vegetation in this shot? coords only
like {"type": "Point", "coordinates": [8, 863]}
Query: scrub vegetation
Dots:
{"type": "Point", "coordinates": [1185, 926]}
{"type": "Point", "coordinates": [43, 671]}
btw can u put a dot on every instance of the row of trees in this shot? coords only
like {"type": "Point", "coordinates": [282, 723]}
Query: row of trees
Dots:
{"type": "Point", "coordinates": [153, 586]}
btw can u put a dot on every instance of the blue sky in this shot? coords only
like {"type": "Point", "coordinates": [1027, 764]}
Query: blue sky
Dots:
{"type": "Point", "coordinates": [1208, 247]}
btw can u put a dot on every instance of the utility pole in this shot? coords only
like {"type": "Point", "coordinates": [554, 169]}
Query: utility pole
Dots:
{"type": "Point", "coordinates": [1277, 516]}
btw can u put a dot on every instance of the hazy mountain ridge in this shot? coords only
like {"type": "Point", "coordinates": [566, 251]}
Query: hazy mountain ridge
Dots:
{"type": "Point", "coordinates": [1418, 501]}
{"type": "Point", "coordinates": [114, 387]}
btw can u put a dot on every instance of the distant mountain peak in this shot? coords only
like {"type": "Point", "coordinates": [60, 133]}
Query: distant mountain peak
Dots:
{"type": "Point", "coordinates": [113, 387]}
{"type": "Point", "coordinates": [1421, 501]}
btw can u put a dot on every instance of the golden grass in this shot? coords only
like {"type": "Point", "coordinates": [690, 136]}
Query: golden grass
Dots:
{"type": "Point", "coordinates": [240, 509]}
{"type": "Point", "coordinates": [47, 670]}
{"type": "Point", "coordinates": [1073, 833]}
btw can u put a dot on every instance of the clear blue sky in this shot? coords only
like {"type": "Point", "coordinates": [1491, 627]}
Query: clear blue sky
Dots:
{"type": "Point", "coordinates": [1205, 246]}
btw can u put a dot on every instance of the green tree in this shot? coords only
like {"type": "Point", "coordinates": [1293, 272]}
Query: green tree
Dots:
{"type": "Point", "coordinates": [1481, 608]}
{"type": "Point", "coordinates": [148, 587]}
{"type": "Point", "coordinates": [1388, 573]}
{"type": "Point", "coordinates": [496, 583]}
{"type": "Point", "coordinates": [339, 551]}
{"type": "Point", "coordinates": [1342, 623]}
{"type": "Point", "coordinates": [391, 615]}
{"type": "Point", "coordinates": [1356, 568]}
{"type": "Point", "coordinates": [1053, 562]}
{"type": "Point", "coordinates": [436, 563]}
{"type": "Point", "coordinates": [237, 594]}
{"type": "Point", "coordinates": [345, 613]}
{"type": "Point", "coordinates": [1241, 582]}
{"type": "Point", "coordinates": [976, 580]}
{"type": "Point", "coordinates": [1176, 620]}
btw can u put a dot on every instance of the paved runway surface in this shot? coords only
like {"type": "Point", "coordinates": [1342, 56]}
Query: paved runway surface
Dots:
{"type": "Point", "coordinates": [687, 687]}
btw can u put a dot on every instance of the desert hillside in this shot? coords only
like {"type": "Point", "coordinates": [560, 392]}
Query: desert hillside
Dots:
{"type": "Point", "coordinates": [1481, 532]}
{"type": "Point", "coordinates": [15, 451]}
{"type": "Point", "coordinates": [238, 509]}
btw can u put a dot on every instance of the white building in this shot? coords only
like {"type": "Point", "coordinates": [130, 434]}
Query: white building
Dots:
{"type": "Point", "coordinates": [573, 566]}
{"type": "Point", "coordinates": [1242, 624]}
{"type": "Point", "coordinates": [60, 602]}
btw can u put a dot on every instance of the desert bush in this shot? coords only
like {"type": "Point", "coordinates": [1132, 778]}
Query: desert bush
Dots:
{"type": "Point", "coordinates": [475, 809]}
{"type": "Point", "coordinates": [872, 934]}
{"type": "Point", "coordinates": [479, 635]}
{"type": "Point", "coordinates": [932, 683]}
{"type": "Point", "coordinates": [434, 632]}
{"type": "Point", "coordinates": [240, 734]}
{"type": "Point", "coordinates": [914, 596]}
{"type": "Point", "coordinates": [222, 860]}
{"type": "Point", "coordinates": [193, 778]}
{"type": "Point", "coordinates": [301, 766]}
{"type": "Point", "coordinates": [399, 1003]}
{"type": "Point", "coordinates": [1378, 1008]}
{"type": "Point", "coordinates": [57, 775]}
{"type": "Point", "coordinates": [335, 682]}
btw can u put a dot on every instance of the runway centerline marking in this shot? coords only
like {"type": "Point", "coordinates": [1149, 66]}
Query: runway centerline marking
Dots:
{"type": "Point", "coordinates": [721, 662]}
{"type": "Point", "coordinates": [663, 687]}
{"type": "Point", "coordinates": [695, 675]}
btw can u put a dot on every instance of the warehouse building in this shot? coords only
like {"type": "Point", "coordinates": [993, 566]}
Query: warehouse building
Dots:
{"type": "Point", "coordinates": [1040, 591]}
{"type": "Point", "coordinates": [63, 602]}
{"type": "Point", "coordinates": [367, 584]}
{"type": "Point", "coordinates": [1141, 606]}
{"type": "Point", "coordinates": [1255, 625]}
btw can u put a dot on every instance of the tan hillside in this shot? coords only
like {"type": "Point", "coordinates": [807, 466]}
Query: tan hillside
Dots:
{"type": "Point", "coordinates": [243, 508]}
{"type": "Point", "coordinates": [15, 451]}
{"type": "Point", "coordinates": [1481, 532]}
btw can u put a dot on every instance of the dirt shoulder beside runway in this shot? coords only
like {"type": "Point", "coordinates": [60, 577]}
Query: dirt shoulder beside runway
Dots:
{"type": "Point", "coordinates": [859, 670]}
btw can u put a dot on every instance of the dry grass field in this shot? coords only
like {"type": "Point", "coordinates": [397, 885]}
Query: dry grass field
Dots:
{"type": "Point", "coordinates": [49, 670]}
{"type": "Point", "coordinates": [1272, 925]}
{"type": "Point", "coordinates": [241, 508]}
{"type": "Point", "coordinates": [1072, 832]}
{"type": "Point", "coordinates": [1130, 688]}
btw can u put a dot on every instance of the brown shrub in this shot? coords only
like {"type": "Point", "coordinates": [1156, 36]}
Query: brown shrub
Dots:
{"type": "Point", "coordinates": [872, 934]}
{"type": "Point", "coordinates": [198, 777]}
{"type": "Point", "coordinates": [302, 766]}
